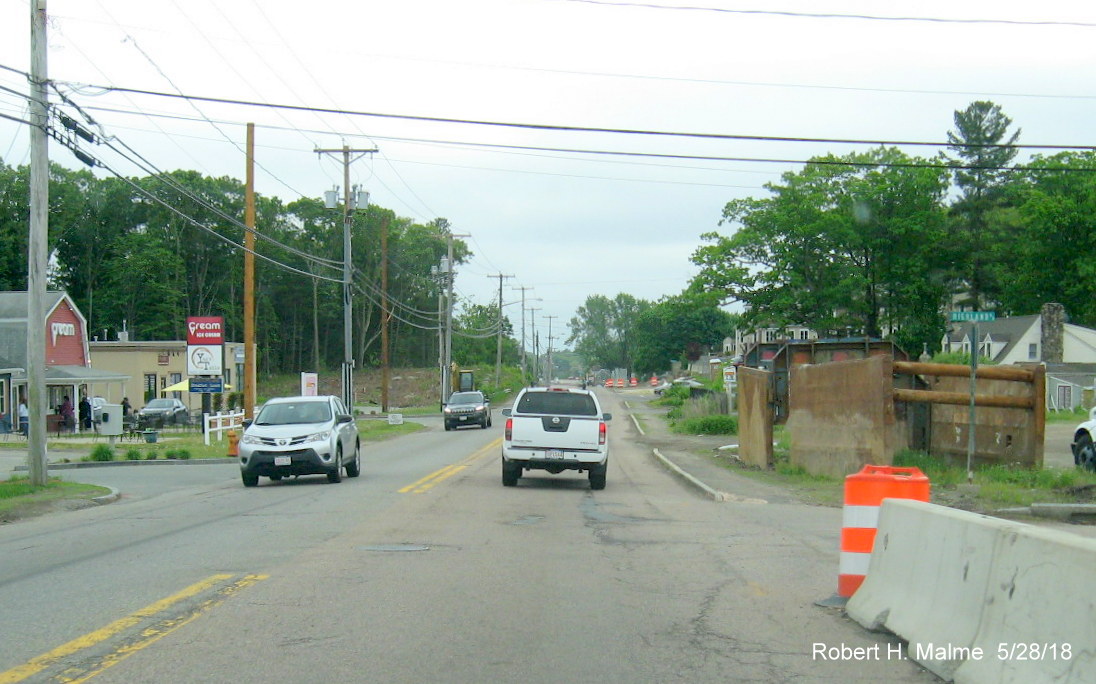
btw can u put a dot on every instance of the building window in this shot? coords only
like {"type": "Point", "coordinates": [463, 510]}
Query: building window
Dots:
{"type": "Point", "coordinates": [150, 387]}
{"type": "Point", "coordinates": [1065, 396]}
{"type": "Point", "coordinates": [804, 334]}
{"type": "Point", "coordinates": [176, 378]}
{"type": "Point", "coordinates": [162, 359]}
{"type": "Point", "coordinates": [1033, 351]}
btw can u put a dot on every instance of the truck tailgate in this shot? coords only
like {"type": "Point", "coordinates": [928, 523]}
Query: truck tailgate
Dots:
{"type": "Point", "coordinates": [555, 432]}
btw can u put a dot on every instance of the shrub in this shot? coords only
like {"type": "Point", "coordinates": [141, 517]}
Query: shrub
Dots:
{"type": "Point", "coordinates": [133, 455]}
{"type": "Point", "coordinates": [675, 395]}
{"type": "Point", "coordinates": [151, 456]}
{"type": "Point", "coordinates": [102, 452]}
{"type": "Point", "coordinates": [178, 454]}
{"type": "Point", "coordinates": [709, 425]}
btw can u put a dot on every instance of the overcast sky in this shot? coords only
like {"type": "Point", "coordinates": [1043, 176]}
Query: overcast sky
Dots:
{"type": "Point", "coordinates": [566, 224]}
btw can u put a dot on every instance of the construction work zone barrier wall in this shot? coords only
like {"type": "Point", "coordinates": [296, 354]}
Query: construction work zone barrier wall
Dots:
{"type": "Point", "coordinates": [845, 415]}
{"type": "Point", "coordinates": [1010, 415]}
{"type": "Point", "coordinates": [864, 494]}
{"type": "Point", "coordinates": [981, 599]}
{"type": "Point", "coordinates": [755, 417]}
{"type": "Point", "coordinates": [842, 416]}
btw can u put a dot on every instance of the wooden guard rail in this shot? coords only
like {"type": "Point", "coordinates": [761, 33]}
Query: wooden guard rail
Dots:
{"type": "Point", "coordinates": [961, 398]}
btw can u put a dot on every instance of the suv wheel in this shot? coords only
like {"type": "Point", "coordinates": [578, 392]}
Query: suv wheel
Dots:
{"type": "Point", "coordinates": [335, 474]}
{"type": "Point", "coordinates": [250, 480]}
{"type": "Point", "coordinates": [354, 468]}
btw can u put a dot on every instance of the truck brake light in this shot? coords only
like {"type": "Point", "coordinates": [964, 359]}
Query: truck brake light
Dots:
{"type": "Point", "coordinates": [509, 429]}
{"type": "Point", "coordinates": [602, 432]}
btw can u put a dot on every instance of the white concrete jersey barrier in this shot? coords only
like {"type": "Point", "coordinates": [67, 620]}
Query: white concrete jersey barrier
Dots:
{"type": "Point", "coordinates": [980, 599]}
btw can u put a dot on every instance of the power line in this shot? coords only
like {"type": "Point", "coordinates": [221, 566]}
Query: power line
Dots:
{"type": "Point", "coordinates": [831, 15]}
{"type": "Point", "coordinates": [569, 129]}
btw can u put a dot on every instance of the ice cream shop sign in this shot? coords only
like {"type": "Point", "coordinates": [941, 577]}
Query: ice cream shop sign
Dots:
{"type": "Point", "coordinates": [204, 345]}
{"type": "Point", "coordinates": [61, 330]}
{"type": "Point", "coordinates": [205, 330]}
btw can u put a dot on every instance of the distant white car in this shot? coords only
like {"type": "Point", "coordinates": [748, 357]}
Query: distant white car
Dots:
{"type": "Point", "coordinates": [1084, 437]}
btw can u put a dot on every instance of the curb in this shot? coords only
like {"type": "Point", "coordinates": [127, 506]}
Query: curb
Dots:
{"type": "Point", "coordinates": [109, 464]}
{"type": "Point", "coordinates": [107, 498]}
{"type": "Point", "coordinates": [708, 491]}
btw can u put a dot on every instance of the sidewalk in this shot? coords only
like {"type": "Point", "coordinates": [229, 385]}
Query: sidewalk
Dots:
{"type": "Point", "coordinates": [696, 456]}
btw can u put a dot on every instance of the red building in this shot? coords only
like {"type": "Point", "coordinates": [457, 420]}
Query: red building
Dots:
{"type": "Point", "coordinates": [68, 371]}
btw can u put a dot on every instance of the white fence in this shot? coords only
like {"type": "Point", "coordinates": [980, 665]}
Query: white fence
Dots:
{"type": "Point", "coordinates": [221, 422]}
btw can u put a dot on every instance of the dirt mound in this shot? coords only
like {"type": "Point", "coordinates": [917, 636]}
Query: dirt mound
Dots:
{"type": "Point", "coordinates": [406, 386]}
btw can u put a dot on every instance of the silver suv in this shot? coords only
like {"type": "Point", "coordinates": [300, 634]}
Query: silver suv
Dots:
{"type": "Point", "coordinates": [300, 436]}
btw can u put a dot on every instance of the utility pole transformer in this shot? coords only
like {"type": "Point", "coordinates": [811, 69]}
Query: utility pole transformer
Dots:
{"type": "Point", "coordinates": [349, 203]}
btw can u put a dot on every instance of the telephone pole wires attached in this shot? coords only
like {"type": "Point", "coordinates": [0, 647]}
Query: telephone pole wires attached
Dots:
{"type": "Point", "coordinates": [498, 346]}
{"type": "Point", "coordinates": [359, 200]}
{"type": "Point", "coordinates": [36, 248]}
{"type": "Point", "coordinates": [523, 367]}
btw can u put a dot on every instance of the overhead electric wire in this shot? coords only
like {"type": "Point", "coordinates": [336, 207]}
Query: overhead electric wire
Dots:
{"type": "Point", "coordinates": [148, 167]}
{"type": "Point", "coordinates": [834, 15]}
{"type": "Point", "coordinates": [572, 129]}
{"type": "Point", "coordinates": [99, 162]}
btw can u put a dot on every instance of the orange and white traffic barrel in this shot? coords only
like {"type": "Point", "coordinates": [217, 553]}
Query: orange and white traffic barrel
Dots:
{"type": "Point", "coordinates": [608, 382]}
{"type": "Point", "coordinates": [864, 494]}
{"type": "Point", "coordinates": [633, 382]}
{"type": "Point", "coordinates": [620, 382]}
{"type": "Point", "coordinates": [654, 381]}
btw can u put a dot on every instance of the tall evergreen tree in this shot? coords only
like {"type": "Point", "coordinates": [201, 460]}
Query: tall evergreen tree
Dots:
{"type": "Point", "coordinates": [982, 147]}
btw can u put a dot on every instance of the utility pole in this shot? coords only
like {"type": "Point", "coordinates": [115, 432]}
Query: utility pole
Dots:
{"type": "Point", "coordinates": [536, 358]}
{"type": "Point", "coordinates": [523, 289]}
{"type": "Point", "coordinates": [36, 248]}
{"type": "Point", "coordinates": [551, 367]}
{"type": "Point", "coordinates": [348, 310]}
{"type": "Point", "coordinates": [498, 345]}
{"type": "Point", "coordinates": [447, 367]}
{"type": "Point", "coordinates": [384, 317]}
{"type": "Point", "coordinates": [249, 286]}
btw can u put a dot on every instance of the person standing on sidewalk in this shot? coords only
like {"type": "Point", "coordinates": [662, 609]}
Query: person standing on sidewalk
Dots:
{"type": "Point", "coordinates": [24, 416]}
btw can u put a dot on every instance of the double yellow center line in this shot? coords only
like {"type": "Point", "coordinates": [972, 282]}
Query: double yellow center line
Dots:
{"type": "Point", "coordinates": [145, 637]}
{"type": "Point", "coordinates": [438, 476]}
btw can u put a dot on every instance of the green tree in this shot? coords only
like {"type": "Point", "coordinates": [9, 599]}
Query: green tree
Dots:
{"type": "Point", "coordinates": [983, 147]}
{"type": "Point", "coordinates": [847, 242]}
{"type": "Point", "coordinates": [1052, 256]}
{"type": "Point", "coordinates": [603, 331]}
{"type": "Point", "coordinates": [678, 327]}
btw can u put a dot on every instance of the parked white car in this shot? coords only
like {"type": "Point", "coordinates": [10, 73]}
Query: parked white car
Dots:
{"type": "Point", "coordinates": [1084, 438]}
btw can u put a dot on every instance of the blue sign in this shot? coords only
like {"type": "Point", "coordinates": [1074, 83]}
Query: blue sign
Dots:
{"type": "Point", "coordinates": [207, 385]}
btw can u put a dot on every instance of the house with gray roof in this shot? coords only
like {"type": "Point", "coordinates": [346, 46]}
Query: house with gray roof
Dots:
{"type": "Point", "coordinates": [1068, 350]}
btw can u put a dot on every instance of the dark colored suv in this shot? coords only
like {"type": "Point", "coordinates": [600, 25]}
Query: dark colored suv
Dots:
{"type": "Point", "coordinates": [467, 408]}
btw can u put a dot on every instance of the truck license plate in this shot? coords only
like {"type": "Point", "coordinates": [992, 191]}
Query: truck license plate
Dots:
{"type": "Point", "coordinates": [553, 453]}
{"type": "Point", "coordinates": [283, 460]}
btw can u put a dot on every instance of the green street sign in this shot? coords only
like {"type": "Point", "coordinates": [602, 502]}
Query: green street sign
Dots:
{"type": "Point", "coordinates": [957, 316]}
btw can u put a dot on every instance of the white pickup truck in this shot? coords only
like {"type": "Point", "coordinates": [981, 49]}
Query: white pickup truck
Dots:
{"type": "Point", "coordinates": [555, 429]}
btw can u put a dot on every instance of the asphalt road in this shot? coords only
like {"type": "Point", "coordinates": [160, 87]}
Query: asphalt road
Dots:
{"type": "Point", "coordinates": [427, 569]}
